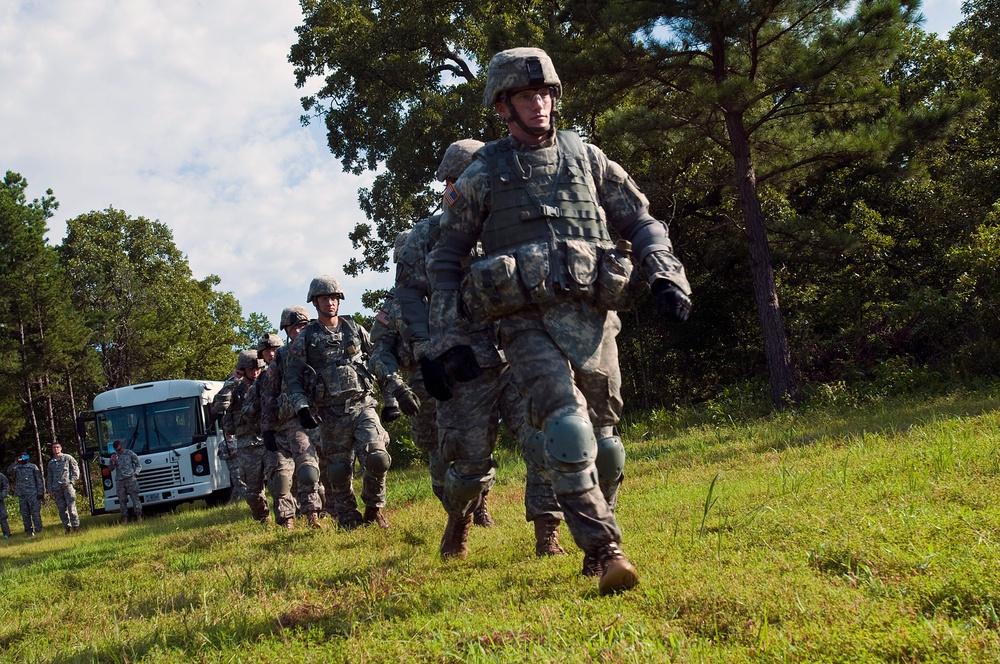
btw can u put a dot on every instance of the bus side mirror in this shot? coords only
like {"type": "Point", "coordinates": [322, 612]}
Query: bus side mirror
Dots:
{"type": "Point", "coordinates": [199, 438]}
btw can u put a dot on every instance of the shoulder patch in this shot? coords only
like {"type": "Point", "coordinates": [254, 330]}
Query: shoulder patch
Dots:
{"type": "Point", "coordinates": [451, 195]}
{"type": "Point", "coordinates": [382, 317]}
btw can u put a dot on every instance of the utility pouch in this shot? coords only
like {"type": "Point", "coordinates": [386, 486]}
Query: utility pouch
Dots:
{"type": "Point", "coordinates": [535, 268]}
{"type": "Point", "coordinates": [616, 278]}
{"type": "Point", "coordinates": [340, 383]}
{"type": "Point", "coordinates": [491, 288]}
{"type": "Point", "coordinates": [581, 259]}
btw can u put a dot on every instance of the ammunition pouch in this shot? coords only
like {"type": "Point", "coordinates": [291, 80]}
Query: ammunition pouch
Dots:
{"type": "Point", "coordinates": [535, 274]}
{"type": "Point", "coordinates": [338, 383]}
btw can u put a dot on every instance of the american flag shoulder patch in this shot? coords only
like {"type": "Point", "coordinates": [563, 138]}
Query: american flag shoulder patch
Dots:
{"type": "Point", "coordinates": [382, 317]}
{"type": "Point", "coordinates": [451, 194]}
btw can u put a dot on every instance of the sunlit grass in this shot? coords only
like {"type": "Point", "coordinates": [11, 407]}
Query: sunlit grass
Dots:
{"type": "Point", "coordinates": [845, 533]}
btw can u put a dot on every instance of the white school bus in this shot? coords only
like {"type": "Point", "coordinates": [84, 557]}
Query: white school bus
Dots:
{"type": "Point", "coordinates": [169, 425]}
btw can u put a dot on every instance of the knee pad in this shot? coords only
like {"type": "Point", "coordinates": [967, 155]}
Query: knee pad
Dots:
{"type": "Point", "coordinates": [339, 472]}
{"type": "Point", "coordinates": [534, 449]}
{"type": "Point", "coordinates": [610, 460]}
{"type": "Point", "coordinates": [569, 442]}
{"type": "Point", "coordinates": [378, 462]}
{"type": "Point", "coordinates": [281, 484]}
{"type": "Point", "coordinates": [467, 488]}
{"type": "Point", "coordinates": [308, 475]}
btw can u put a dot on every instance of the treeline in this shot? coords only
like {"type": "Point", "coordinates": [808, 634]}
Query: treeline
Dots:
{"type": "Point", "coordinates": [114, 304]}
{"type": "Point", "coordinates": [828, 170]}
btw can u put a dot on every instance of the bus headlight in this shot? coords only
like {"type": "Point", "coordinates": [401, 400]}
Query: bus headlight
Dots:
{"type": "Point", "coordinates": [199, 463]}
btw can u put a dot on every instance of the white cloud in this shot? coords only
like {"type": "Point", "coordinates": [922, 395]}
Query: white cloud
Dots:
{"type": "Point", "coordinates": [941, 16]}
{"type": "Point", "coordinates": [186, 112]}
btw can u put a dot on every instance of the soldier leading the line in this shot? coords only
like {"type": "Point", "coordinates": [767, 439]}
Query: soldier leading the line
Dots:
{"type": "Point", "coordinates": [283, 433]}
{"type": "Point", "coordinates": [538, 200]}
{"type": "Point", "coordinates": [61, 474]}
{"type": "Point", "coordinates": [329, 387]}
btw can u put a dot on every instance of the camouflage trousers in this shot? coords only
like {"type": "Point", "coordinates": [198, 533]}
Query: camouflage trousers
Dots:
{"type": "Point", "coordinates": [128, 488]}
{"type": "Point", "coordinates": [295, 461]}
{"type": "Point", "coordinates": [65, 495]}
{"type": "Point", "coordinates": [3, 518]}
{"type": "Point", "coordinates": [344, 439]}
{"type": "Point", "coordinates": [254, 472]}
{"type": "Point", "coordinates": [424, 429]}
{"type": "Point", "coordinates": [468, 425]}
{"type": "Point", "coordinates": [31, 513]}
{"type": "Point", "coordinates": [554, 386]}
{"type": "Point", "coordinates": [239, 489]}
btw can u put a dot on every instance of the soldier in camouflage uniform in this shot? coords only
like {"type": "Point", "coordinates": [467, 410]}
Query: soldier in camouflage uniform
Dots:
{"type": "Point", "coordinates": [296, 454]}
{"type": "Point", "coordinates": [267, 346]}
{"type": "Point", "coordinates": [396, 369]}
{"type": "Point", "coordinates": [250, 448]}
{"type": "Point", "coordinates": [539, 200]}
{"type": "Point", "coordinates": [228, 449]}
{"type": "Point", "coordinates": [126, 465]}
{"type": "Point", "coordinates": [329, 387]}
{"type": "Point", "coordinates": [61, 474]}
{"type": "Point", "coordinates": [30, 491]}
{"type": "Point", "coordinates": [4, 492]}
{"type": "Point", "coordinates": [469, 412]}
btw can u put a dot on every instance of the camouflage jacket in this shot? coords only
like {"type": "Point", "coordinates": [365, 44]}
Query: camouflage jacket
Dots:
{"type": "Point", "coordinates": [4, 487]}
{"type": "Point", "coordinates": [229, 403]}
{"type": "Point", "coordinates": [126, 465]}
{"type": "Point", "coordinates": [275, 411]}
{"type": "Point", "coordinates": [413, 291]}
{"type": "Point", "coordinates": [389, 353]}
{"type": "Point", "coordinates": [326, 367]}
{"type": "Point", "coordinates": [61, 471]}
{"type": "Point", "coordinates": [251, 410]}
{"type": "Point", "coordinates": [27, 479]}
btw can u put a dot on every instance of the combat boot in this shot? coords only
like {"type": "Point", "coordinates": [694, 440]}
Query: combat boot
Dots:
{"type": "Point", "coordinates": [350, 520]}
{"type": "Point", "coordinates": [375, 515]}
{"type": "Point", "coordinates": [68, 530]}
{"type": "Point", "coordinates": [455, 541]}
{"type": "Point", "coordinates": [313, 519]}
{"type": "Point", "coordinates": [591, 565]}
{"type": "Point", "coordinates": [288, 524]}
{"type": "Point", "coordinates": [547, 537]}
{"type": "Point", "coordinates": [481, 516]}
{"type": "Point", "coordinates": [619, 574]}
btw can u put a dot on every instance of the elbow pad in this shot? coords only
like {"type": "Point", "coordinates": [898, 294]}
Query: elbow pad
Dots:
{"type": "Point", "coordinates": [646, 235]}
{"type": "Point", "coordinates": [444, 263]}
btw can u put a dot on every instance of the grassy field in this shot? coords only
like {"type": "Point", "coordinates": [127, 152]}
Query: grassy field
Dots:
{"type": "Point", "coordinates": [843, 533]}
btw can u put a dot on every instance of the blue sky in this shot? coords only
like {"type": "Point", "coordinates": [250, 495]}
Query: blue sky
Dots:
{"type": "Point", "coordinates": [186, 111]}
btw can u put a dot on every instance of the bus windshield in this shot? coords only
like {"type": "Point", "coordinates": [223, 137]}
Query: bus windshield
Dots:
{"type": "Point", "coordinates": [154, 427]}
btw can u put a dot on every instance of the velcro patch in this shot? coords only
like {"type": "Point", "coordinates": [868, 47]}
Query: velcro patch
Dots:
{"type": "Point", "coordinates": [451, 195]}
{"type": "Point", "coordinates": [382, 317]}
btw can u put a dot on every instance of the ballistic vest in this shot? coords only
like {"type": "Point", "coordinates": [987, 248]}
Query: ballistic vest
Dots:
{"type": "Point", "coordinates": [524, 212]}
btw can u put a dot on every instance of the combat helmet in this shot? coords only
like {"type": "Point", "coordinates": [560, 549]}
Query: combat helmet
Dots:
{"type": "Point", "coordinates": [398, 243]}
{"type": "Point", "coordinates": [293, 316]}
{"type": "Point", "coordinates": [247, 360]}
{"type": "Point", "coordinates": [457, 158]}
{"type": "Point", "coordinates": [268, 341]}
{"type": "Point", "coordinates": [324, 285]}
{"type": "Point", "coordinates": [521, 67]}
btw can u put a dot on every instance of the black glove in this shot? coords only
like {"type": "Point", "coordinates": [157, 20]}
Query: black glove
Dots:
{"type": "Point", "coordinates": [270, 441]}
{"type": "Point", "coordinates": [671, 302]}
{"type": "Point", "coordinates": [460, 364]}
{"type": "Point", "coordinates": [389, 413]}
{"type": "Point", "coordinates": [409, 403]}
{"type": "Point", "coordinates": [307, 419]}
{"type": "Point", "coordinates": [436, 381]}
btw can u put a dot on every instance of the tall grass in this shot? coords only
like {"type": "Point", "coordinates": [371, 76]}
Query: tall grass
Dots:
{"type": "Point", "coordinates": [862, 531]}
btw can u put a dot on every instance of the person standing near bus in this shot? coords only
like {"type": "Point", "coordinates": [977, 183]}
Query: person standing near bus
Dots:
{"type": "Point", "coordinates": [61, 474]}
{"type": "Point", "coordinates": [125, 463]}
{"type": "Point", "coordinates": [30, 490]}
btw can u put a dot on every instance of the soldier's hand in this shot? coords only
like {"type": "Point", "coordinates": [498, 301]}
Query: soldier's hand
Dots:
{"type": "Point", "coordinates": [270, 441]}
{"type": "Point", "coordinates": [307, 419]}
{"type": "Point", "coordinates": [460, 363]}
{"type": "Point", "coordinates": [671, 302]}
{"type": "Point", "coordinates": [409, 403]}
{"type": "Point", "coordinates": [436, 381]}
{"type": "Point", "coordinates": [389, 414]}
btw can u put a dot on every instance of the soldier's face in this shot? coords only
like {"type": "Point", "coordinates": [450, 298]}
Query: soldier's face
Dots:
{"type": "Point", "coordinates": [294, 330]}
{"type": "Point", "coordinates": [250, 374]}
{"type": "Point", "coordinates": [56, 450]}
{"type": "Point", "coordinates": [267, 355]}
{"type": "Point", "coordinates": [327, 305]}
{"type": "Point", "coordinates": [533, 106]}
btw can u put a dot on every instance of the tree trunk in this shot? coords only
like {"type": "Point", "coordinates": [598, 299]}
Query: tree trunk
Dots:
{"type": "Point", "coordinates": [780, 371]}
{"type": "Point", "coordinates": [28, 397]}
